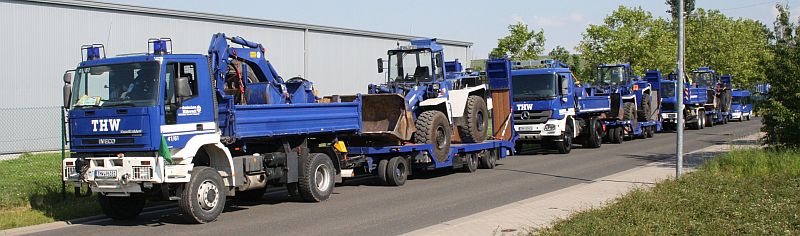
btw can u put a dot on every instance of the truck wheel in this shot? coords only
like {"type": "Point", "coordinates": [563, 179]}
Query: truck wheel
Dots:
{"type": "Point", "coordinates": [619, 134]}
{"type": "Point", "coordinates": [488, 160]}
{"type": "Point", "coordinates": [203, 197]}
{"type": "Point", "coordinates": [381, 171]}
{"type": "Point", "coordinates": [477, 120]}
{"type": "Point", "coordinates": [643, 113]}
{"type": "Point", "coordinates": [595, 136]}
{"type": "Point", "coordinates": [315, 180]}
{"type": "Point", "coordinates": [630, 113]}
{"type": "Point", "coordinates": [471, 164]}
{"type": "Point", "coordinates": [565, 146]}
{"type": "Point", "coordinates": [432, 128]}
{"type": "Point", "coordinates": [251, 194]}
{"type": "Point", "coordinates": [121, 208]}
{"type": "Point", "coordinates": [748, 117]}
{"type": "Point", "coordinates": [397, 171]}
{"type": "Point", "coordinates": [710, 121]}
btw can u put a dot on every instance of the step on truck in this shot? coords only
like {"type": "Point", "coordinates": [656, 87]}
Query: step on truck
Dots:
{"type": "Point", "coordinates": [552, 109]}
{"type": "Point", "coordinates": [634, 102]}
{"type": "Point", "coordinates": [430, 114]}
{"type": "Point", "coordinates": [198, 129]}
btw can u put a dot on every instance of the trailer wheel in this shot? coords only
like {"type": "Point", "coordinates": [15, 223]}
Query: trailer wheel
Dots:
{"type": "Point", "coordinates": [432, 128]}
{"type": "Point", "coordinates": [315, 180]}
{"type": "Point", "coordinates": [710, 121]}
{"type": "Point", "coordinates": [121, 208]}
{"type": "Point", "coordinates": [594, 138]}
{"type": "Point", "coordinates": [397, 171]}
{"type": "Point", "coordinates": [618, 135]}
{"type": "Point", "coordinates": [472, 162]}
{"type": "Point", "coordinates": [488, 159]}
{"type": "Point", "coordinates": [630, 113]}
{"type": "Point", "coordinates": [381, 171]}
{"type": "Point", "coordinates": [203, 197]}
{"type": "Point", "coordinates": [565, 145]}
{"type": "Point", "coordinates": [477, 120]}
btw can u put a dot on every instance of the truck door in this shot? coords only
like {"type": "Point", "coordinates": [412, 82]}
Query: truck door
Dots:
{"type": "Point", "coordinates": [565, 92]}
{"type": "Point", "coordinates": [186, 117]}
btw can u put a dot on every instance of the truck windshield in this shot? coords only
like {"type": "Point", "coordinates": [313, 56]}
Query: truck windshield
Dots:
{"type": "Point", "coordinates": [703, 79]}
{"type": "Point", "coordinates": [667, 90]}
{"type": "Point", "coordinates": [610, 75]}
{"type": "Point", "coordinates": [410, 65]}
{"type": "Point", "coordinates": [534, 87]}
{"type": "Point", "coordinates": [119, 85]}
{"type": "Point", "coordinates": [739, 100]}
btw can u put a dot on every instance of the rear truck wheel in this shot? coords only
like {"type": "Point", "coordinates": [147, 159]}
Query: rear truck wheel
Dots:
{"type": "Point", "coordinates": [630, 113]}
{"type": "Point", "coordinates": [251, 194]}
{"type": "Point", "coordinates": [619, 134]}
{"type": "Point", "coordinates": [121, 208]}
{"type": "Point", "coordinates": [203, 197]}
{"type": "Point", "coordinates": [397, 171]}
{"type": "Point", "coordinates": [316, 178]}
{"type": "Point", "coordinates": [381, 171]}
{"type": "Point", "coordinates": [565, 145]}
{"type": "Point", "coordinates": [710, 121]}
{"type": "Point", "coordinates": [748, 116]}
{"type": "Point", "coordinates": [595, 136]}
{"type": "Point", "coordinates": [725, 120]}
{"type": "Point", "coordinates": [476, 120]}
{"type": "Point", "coordinates": [432, 128]}
{"type": "Point", "coordinates": [643, 113]}
{"type": "Point", "coordinates": [471, 163]}
{"type": "Point", "coordinates": [488, 159]}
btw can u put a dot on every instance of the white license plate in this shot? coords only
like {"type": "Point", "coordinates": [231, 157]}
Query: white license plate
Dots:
{"type": "Point", "coordinates": [105, 174]}
{"type": "Point", "coordinates": [528, 128]}
{"type": "Point", "coordinates": [672, 115]}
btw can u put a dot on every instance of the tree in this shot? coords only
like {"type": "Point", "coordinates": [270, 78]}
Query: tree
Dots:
{"type": "Point", "coordinates": [781, 113]}
{"type": "Point", "coordinates": [688, 7]}
{"type": "Point", "coordinates": [520, 44]}
{"type": "Point", "coordinates": [559, 53]}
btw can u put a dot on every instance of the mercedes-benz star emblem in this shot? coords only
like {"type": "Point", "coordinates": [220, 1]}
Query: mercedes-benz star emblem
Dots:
{"type": "Point", "coordinates": [526, 115]}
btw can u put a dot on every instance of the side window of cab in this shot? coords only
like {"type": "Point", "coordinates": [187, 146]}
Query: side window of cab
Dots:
{"type": "Point", "coordinates": [172, 102]}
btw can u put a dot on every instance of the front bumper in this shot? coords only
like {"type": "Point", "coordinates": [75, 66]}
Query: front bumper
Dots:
{"type": "Point", "coordinates": [736, 115]}
{"type": "Point", "coordinates": [552, 128]}
{"type": "Point", "coordinates": [122, 175]}
{"type": "Point", "coordinates": [670, 117]}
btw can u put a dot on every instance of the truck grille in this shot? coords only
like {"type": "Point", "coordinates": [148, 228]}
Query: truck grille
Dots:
{"type": "Point", "coordinates": [532, 117]}
{"type": "Point", "coordinates": [142, 172]}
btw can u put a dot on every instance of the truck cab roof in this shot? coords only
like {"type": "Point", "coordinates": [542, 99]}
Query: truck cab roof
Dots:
{"type": "Point", "coordinates": [539, 71]}
{"type": "Point", "coordinates": [135, 58]}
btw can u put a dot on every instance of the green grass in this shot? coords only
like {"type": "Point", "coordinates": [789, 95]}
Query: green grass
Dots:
{"type": "Point", "coordinates": [743, 192]}
{"type": "Point", "coordinates": [30, 193]}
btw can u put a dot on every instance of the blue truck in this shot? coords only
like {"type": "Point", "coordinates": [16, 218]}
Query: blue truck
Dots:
{"type": "Point", "coordinates": [635, 105]}
{"type": "Point", "coordinates": [551, 108]}
{"type": "Point", "coordinates": [198, 128]}
{"type": "Point", "coordinates": [741, 105]}
{"type": "Point", "coordinates": [706, 99]}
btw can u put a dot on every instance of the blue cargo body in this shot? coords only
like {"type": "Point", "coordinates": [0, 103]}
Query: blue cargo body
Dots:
{"type": "Point", "coordinates": [275, 120]}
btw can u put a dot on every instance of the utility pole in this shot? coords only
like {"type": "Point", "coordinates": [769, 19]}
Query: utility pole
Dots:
{"type": "Point", "coordinates": [679, 94]}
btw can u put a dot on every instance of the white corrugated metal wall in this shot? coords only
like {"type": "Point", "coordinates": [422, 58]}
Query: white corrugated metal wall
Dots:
{"type": "Point", "coordinates": [42, 40]}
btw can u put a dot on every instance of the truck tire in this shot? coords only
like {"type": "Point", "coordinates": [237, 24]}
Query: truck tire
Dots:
{"type": "Point", "coordinates": [121, 208]}
{"type": "Point", "coordinates": [630, 113]}
{"type": "Point", "coordinates": [710, 121]}
{"type": "Point", "coordinates": [251, 194]}
{"type": "Point", "coordinates": [643, 113]}
{"type": "Point", "coordinates": [594, 137]}
{"type": "Point", "coordinates": [565, 145]}
{"type": "Point", "coordinates": [476, 118]}
{"type": "Point", "coordinates": [488, 160]}
{"type": "Point", "coordinates": [316, 178]}
{"type": "Point", "coordinates": [381, 171]}
{"type": "Point", "coordinates": [432, 128]}
{"type": "Point", "coordinates": [397, 171]}
{"type": "Point", "coordinates": [203, 197]}
{"type": "Point", "coordinates": [471, 162]}
{"type": "Point", "coordinates": [618, 135]}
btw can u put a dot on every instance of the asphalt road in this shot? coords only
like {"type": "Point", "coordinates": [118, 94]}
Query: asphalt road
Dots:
{"type": "Point", "coordinates": [360, 207]}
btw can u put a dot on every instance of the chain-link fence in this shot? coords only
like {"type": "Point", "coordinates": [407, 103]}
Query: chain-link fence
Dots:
{"type": "Point", "coordinates": [30, 129]}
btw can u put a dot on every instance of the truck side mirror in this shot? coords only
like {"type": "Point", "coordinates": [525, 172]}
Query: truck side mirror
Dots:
{"type": "Point", "coordinates": [380, 65]}
{"type": "Point", "coordinates": [182, 87]}
{"type": "Point", "coordinates": [67, 92]}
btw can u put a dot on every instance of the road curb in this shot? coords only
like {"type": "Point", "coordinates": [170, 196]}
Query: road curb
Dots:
{"type": "Point", "coordinates": [82, 220]}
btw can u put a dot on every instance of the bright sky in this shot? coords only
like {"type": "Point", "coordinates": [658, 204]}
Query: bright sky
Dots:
{"type": "Point", "coordinates": [479, 21]}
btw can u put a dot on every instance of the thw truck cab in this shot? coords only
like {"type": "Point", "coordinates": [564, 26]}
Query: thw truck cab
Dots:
{"type": "Point", "coordinates": [198, 129]}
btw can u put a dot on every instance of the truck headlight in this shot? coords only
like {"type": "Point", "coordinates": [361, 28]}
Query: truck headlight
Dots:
{"type": "Point", "coordinates": [549, 127]}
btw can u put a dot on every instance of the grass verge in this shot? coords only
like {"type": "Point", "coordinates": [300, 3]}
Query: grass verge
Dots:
{"type": "Point", "coordinates": [742, 192]}
{"type": "Point", "coordinates": [30, 193]}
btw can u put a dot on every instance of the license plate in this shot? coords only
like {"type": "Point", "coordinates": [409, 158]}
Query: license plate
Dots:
{"type": "Point", "coordinates": [527, 128]}
{"type": "Point", "coordinates": [105, 174]}
{"type": "Point", "coordinates": [671, 115]}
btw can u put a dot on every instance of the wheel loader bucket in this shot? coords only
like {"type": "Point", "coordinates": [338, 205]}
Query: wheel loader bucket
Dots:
{"type": "Point", "coordinates": [385, 116]}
